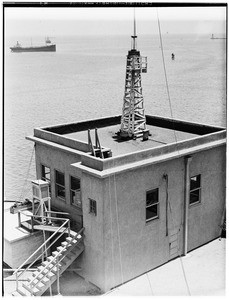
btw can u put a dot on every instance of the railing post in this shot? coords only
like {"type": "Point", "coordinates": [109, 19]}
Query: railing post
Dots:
{"type": "Point", "coordinates": [68, 228]}
{"type": "Point", "coordinates": [58, 277]}
{"type": "Point", "coordinates": [32, 223]}
{"type": "Point", "coordinates": [16, 282]}
{"type": "Point", "coordinates": [19, 219]}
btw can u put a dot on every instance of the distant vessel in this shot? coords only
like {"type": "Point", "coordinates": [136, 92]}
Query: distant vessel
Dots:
{"type": "Point", "coordinates": [217, 38]}
{"type": "Point", "coordinates": [45, 48]}
{"type": "Point", "coordinates": [47, 40]}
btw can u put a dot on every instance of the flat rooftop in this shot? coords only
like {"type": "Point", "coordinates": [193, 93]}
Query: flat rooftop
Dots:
{"type": "Point", "coordinates": [159, 136]}
{"type": "Point", "coordinates": [169, 139]}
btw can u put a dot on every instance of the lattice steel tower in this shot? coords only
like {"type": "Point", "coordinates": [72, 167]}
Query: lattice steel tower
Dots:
{"type": "Point", "coordinates": [133, 121]}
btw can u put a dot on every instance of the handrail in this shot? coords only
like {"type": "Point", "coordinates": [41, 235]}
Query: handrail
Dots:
{"type": "Point", "coordinates": [41, 247]}
{"type": "Point", "coordinates": [56, 212]}
{"type": "Point", "coordinates": [55, 258]}
{"type": "Point", "coordinates": [66, 221]}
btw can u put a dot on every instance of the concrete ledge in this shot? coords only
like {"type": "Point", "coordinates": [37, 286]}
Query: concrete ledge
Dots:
{"type": "Point", "coordinates": [62, 140]}
{"type": "Point", "coordinates": [149, 161]}
{"type": "Point", "coordinates": [53, 137]}
{"type": "Point", "coordinates": [178, 125]}
{"type": "Point", "coordinates": [154, 152]}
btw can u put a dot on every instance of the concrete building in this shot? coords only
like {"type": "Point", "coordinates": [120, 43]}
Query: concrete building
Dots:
{"type": "Point", "coordinates": [145, 191]}
{"type": "Point", "coordinates": [148, 202]}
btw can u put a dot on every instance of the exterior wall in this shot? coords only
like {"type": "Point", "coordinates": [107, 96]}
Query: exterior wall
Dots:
{"type": "Point", "coordinates": [93, 256]}
{"type": "Point", "coordinates": [131, 246]}
{"type": "Point", "coordinates": [16, 252]}
{"type": "Point", "coordinates": [119, 244]}
{"type": "Point", "coordinates": [61, 161]}
{"type": "Point", "coordinates": [205, 218]}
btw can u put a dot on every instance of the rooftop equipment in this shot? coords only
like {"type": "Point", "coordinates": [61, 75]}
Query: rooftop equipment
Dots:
{"type": "Point", "coordinates": [133, 121]}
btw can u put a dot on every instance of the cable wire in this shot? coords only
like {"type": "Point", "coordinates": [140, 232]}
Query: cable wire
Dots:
{"type": "Point", "coordinates": [166, 79]}
{"type": "Point", "coordinates": [25, 182]}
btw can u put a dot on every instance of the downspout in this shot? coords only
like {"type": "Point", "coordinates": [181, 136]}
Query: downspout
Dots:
{"type": "Point", "coordinates": [187, 160]}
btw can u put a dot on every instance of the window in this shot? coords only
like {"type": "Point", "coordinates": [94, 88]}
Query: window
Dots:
{"type": "Point", "coordinates": [152, 205]}
{"type": "Point", "coordinates": [45, 173]}
{"type": "Point", "coordinates": [75, 194]}
{"type": "Point", "coordinates": [92, 207]}
{"type": "Point", "coordinates": [60, 185]}
{"type": "Point", "coordinates": [195, 189]}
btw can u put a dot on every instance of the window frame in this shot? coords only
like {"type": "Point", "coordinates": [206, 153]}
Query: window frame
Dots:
{"type": "Point", "coordinates": [92, 207]}
{"type": "Point", "coordinates": [57, 184]}
{"type": "Point", "coordinates": [44, 178]}
{"type": "Point", "coordinates": [73, 191]}
{"type": "Point", "coordinates": [195, 189]}
{"type": "Point", "coordinates": [157, 217]}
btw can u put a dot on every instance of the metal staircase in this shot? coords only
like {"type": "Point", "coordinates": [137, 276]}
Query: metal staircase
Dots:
{"type": "Point", "coordinates": [52, 266]}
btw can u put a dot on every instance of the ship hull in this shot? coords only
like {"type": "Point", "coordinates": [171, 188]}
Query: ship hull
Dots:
{"type": "Point", "coordinates": [51, 48]}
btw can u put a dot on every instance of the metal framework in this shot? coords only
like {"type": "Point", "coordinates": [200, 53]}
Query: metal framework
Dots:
{"type": "Point", "coordinates": [133, 121]}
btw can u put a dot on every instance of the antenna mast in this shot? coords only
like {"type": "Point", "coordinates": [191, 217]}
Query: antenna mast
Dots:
{"type": "Point", "coordinates": [133, 121]}
{"type": "Point", "coordinates": [134, 37]}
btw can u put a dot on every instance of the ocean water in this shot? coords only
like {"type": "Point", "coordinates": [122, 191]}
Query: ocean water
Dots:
{"type": "Point", "coordinates": [85, 79]}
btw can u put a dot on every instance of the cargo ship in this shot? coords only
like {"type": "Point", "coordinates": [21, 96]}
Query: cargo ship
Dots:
{"type": "Point", "coordinates": [217, 38]}
{"type": "Point", "coordinates": [45, 48]}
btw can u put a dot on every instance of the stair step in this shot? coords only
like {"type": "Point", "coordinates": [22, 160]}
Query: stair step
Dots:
{"type": "Point", "coordinates": [33, 290]}
{"type": "Point", "coordinates": [46, 272]}
{"type": "Point", "coordinates": [41, 278]}
{"type": "Point", "coordinates": [72, 233]}
{"type": "Point", "coordinates": [56, 253]}
{"type": "Point", "coordinates": [44, 278]}
{"type": "Point", "coordinates": [65, 244]}
{"type": "Point", "coordinates": [61, 249]}
{"type": "Point", "coordinates": [52, 258]}
{"type": "Point", "coordinates": [23, 292]}
{"type": "Point", "coordinates": [16, 294]}
{"type": "Point", "coordinates": [51, 265]}
{"type": "Point", "coordinates": [49, 258]}
{"type": "Point", "coordinates": [39, 285]}
{"type": "Point", "coordinates": [70, 240]}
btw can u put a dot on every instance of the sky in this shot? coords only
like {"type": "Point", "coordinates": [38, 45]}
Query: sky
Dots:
{"type": "Point", "coordinates": [31, 21]}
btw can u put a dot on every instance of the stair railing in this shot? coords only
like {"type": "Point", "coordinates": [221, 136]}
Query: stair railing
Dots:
{"type": "Point", "coordinates": [62, 230]}
{"type": "Point", "coordinates": [55, 261]}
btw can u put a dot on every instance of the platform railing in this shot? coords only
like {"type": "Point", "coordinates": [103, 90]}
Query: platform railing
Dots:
{"type": "Point", "coordinates": [64, 228]}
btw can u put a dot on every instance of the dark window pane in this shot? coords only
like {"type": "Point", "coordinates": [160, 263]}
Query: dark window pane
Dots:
{"type": "Point", "coordinates": [151, 197]}
{"type": "Point", "coordinates": [43, 171]}
{"type": "Point", "coordinates": [92, 208]}
{"type": "Point", "coordinates": [76, 198]}
{"type": "Point", "coordinates": [195, 182]}
{"type": "Point", "coordinates": [151, 212]}
{"type": "Point", "coordinates": [60, 191]}
{"type": "Point", "coordinates": [195, 196]}
{"type": "Point", "coordinates": [59, 178]}
{"type": "Point", "coordinates": [75, 183]}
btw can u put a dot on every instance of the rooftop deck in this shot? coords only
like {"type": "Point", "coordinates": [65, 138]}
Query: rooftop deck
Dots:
{"type": "Point", "coordinates": [169, 139]}
{"type": "Point", "coordinates": [159, 136]}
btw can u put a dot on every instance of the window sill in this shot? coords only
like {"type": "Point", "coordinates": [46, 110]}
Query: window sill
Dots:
{"type": "Point", "coordinates": [60, 198]}
{"type": "Point", "coordinates": [194, 204]}
{"type": "Point", "coordinates": [152, 220]}
{"type": "Point", "coordinates": [76, 206]}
